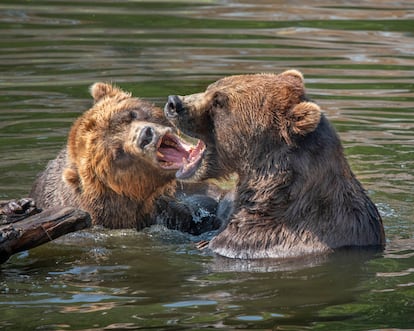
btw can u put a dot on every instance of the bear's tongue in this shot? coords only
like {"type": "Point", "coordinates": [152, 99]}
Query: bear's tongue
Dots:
{"type": "Point", "coordinates": [173, 153]}
{"type": "Point", "coordinates": [172, 150]}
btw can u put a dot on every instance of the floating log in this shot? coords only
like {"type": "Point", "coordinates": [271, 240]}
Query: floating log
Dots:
{"type": "Point", "coordinates": [23, 232]}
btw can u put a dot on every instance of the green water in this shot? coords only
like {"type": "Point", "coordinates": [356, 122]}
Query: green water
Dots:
{"type": "Point", "coordinates": [358, 62]}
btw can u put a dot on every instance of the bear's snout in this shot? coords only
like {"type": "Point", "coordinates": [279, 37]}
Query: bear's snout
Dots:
{"type": "Point", "coordinates": [146, 136]}
{"type": "Point", "coordinates": [173, 107]}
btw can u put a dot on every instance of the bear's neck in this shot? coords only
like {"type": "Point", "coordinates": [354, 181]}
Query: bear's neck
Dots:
{"type": "Point", "coordinates": [263, 193]}
{"type": "Point", "coordinates": [290, 181]}
{"type": "Point", "coordinates": [115, 211]}
{"type": "Point", "coordinates": [120, 211]}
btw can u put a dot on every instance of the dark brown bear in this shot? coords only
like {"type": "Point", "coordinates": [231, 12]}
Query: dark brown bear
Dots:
{"type": "Point", "coordinates": [119, 165]}
{"type": "Point", "coordinates": [296, 193]}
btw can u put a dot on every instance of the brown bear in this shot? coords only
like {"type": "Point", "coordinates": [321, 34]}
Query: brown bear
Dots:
{"type": "Point", "coordinates": [119, 165]}
{"type": "Point", "coordinates": [296, 193]}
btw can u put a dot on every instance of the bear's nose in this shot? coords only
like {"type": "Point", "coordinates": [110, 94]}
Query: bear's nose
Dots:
{"type": "Point", "coordinates": [173, 107]}
{"type": "Point", "coordinates": [145, 137]}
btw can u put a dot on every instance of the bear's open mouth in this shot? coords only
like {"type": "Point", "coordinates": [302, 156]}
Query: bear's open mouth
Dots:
{"type": "Point", "coordinates": [175, 154]}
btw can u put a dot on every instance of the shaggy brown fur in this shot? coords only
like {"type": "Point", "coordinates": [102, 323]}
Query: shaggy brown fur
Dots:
{"type": "Point", "coordinates": [113, 166]}
{"type": "Point", "coordinates": [296, 193]}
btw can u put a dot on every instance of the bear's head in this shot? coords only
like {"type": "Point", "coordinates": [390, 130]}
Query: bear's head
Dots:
{"type": "Point", "coordinates": [269, 111]}
{"type": "Point", "coordinates": [123, 146]}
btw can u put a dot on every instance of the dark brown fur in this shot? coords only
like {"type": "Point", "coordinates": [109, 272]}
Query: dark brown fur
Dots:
{"type": "Point", "coordinates": [296, 193]}
{"type": "Point", "coordinates": [103, 169]}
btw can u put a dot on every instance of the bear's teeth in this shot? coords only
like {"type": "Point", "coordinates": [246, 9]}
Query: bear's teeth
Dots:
{"type": "Point", "coordinates": [170, 143]}
{"type": "Point", "coordinates": [160, 155]}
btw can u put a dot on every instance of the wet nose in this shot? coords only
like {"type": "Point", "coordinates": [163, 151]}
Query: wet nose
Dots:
{"type": "Point", "coordinates": [173, 107]}
{"type": "Point", "coordinates": [146, 136]}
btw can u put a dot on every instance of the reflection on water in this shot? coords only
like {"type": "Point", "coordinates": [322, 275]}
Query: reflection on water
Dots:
{"type": "Point", "coordinates": [357, 58]}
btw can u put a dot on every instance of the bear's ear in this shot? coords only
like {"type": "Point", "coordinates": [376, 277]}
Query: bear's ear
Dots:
{"type": "Point", "coordinates": [301, 120]}
{"type": "Point", "coordinates": [305, 117]}
{"type": "Point", "coordinates": [294, 74]}
{"type": "Point", "coordinates": [100, 90]}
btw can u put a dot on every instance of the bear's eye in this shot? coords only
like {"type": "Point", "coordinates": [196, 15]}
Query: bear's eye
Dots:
{"type": "Point", "coordinates": [138, 114]}
{"type": "Point", "coordinates": [133, 115]}
{"type": "Point", "coordinates": [121, 118]}
{"type": "Point", "coordinates": [219, 100]}
{"type": "Point", "coordinates": [125, 117]}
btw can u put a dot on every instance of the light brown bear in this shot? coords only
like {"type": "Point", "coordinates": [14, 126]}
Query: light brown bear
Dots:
{"type": "Point", "coordinates": [119, 165]}
{"type": "Point", "coordinates": [296, 193]}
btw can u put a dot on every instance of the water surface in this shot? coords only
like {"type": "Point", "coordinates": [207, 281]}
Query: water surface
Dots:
{"type": "Point", "coordinates": [358, 62]}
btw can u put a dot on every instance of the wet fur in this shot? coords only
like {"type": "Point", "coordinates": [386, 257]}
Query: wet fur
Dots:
{"type": "Point", "coordinates": [296, 193]}
{"type": "Point", "coordinates": [103, 171]}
